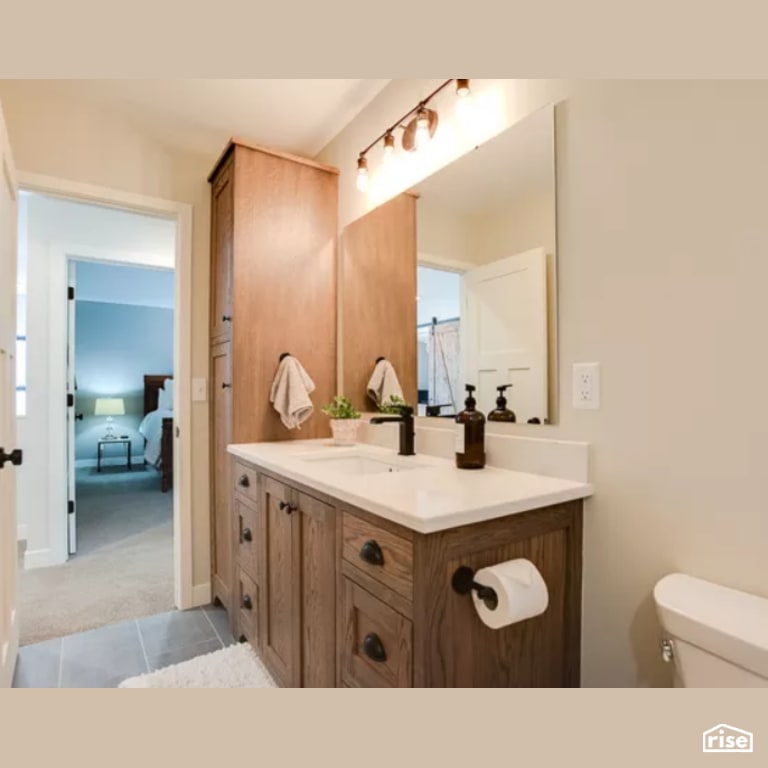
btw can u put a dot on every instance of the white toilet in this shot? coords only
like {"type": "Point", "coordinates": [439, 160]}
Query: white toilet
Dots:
{"type": "Point", "coordinates": [715, 636]}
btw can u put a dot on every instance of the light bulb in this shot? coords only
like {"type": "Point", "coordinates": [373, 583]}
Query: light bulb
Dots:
{"type": "Point", "coordinates": [422, 128]}
{"type": "Point", "coordinates": [462, 88]}
{"type": "Point", "coordinates": [389, 147]}
{"type": "Point", "coordinates": [362, 173]}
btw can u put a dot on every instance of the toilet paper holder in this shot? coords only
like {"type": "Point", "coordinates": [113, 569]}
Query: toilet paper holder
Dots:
{"type": "Point", "coordinates": [463, 582]}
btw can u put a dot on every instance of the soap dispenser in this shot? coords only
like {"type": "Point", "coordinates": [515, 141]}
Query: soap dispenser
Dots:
{"type": "Point", "coordinates": [501, 412]}
{"type": "Point", "coordinates": [470, 435]}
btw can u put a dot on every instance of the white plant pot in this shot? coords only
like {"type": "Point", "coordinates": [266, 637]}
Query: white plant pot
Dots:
{"type": "Point", "coordinates": [344, 431]}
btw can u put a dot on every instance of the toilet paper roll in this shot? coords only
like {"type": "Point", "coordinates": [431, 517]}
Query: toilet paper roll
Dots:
{"type": "Point", "coordinates": [521, 591]}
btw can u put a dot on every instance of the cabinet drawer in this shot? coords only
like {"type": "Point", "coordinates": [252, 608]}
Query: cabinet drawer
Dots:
{"type": "Point", "coordinates": [246, 518]}
{"type": "Point", "coordinates": [246, 481]}
{"type": "Point", "coordinates": [384, 556]}
{"type": "Point", "coordinates": [378, 642]}
{"type": "Point", "coordinates": [247, 595]}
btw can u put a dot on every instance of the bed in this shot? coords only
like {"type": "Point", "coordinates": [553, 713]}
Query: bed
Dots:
{"type": "Point", "coordinates": [157, 428]}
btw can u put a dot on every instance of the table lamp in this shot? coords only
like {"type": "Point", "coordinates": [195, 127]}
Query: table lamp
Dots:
{"type": "Point", "coordinates": [109, 407]}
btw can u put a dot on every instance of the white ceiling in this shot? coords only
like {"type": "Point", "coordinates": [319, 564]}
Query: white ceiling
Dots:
{"type": "Point", "coordinates": [299, 116]}
{"type": "Point", "coordinates": [520, 161]}
{"type": "Point", "coordinates": [121, 284]}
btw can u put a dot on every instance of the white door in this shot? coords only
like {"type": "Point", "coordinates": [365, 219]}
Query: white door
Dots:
{"type": "Point", "coordinates": [9, 629]}
{"type": "Point", "coordinates": [71, 415]}
{"type": "Point", "coordinates": [504, 333]}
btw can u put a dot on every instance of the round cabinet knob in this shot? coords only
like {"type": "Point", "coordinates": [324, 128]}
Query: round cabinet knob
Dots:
{"type": "Point", "coordinates": [243, 482]}
{"type": "Point", "coordinates": [247, 535]}
{"type": "Point", "coordinates": [371, 553]}
{"type": "Point", "coordinates": [286, 507]}
{"type": "Point", "coordinates": [373, 648]}
{"type": "Point", "coordinates": [224, 385]}
{"type": "Point", "coordinates": [226, 318]}
{"type": "Point", "coordinates": [247, 602]}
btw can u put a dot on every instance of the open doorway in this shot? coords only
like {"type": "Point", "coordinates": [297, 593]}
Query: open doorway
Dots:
{"type": "Point", "coordinates": [104, 540]}
{"type": "Point", "coordinates": [122, 349]}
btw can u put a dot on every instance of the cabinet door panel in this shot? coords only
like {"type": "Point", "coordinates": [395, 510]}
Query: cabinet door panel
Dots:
{"type": "Point", "coordinates": [280, 594]}
{"type": "Point", "coordinates": [221, 488]}
{"type": "Point", "coordinates": [222, 236]}
{"type": "Point", "coordinates": [318, 593]}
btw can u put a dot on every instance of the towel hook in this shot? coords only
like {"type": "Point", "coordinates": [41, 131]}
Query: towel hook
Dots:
{"type": "Point", "coordinates": [379, 359]}
{"type": "Point", "coordinates": [283, 356]}
{"type": "Point", "coordinates": [463, 582]}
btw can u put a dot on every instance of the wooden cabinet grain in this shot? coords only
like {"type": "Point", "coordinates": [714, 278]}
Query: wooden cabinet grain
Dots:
{"type": "Point", "coordinates": [273, 265]}
{"type": "Point", "coordinates": [333, 612]}
{"type": "Point", "coordinates": [221, 490]}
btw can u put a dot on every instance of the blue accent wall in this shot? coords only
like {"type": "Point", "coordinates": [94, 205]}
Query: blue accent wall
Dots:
{"type": "Point", "coordinates": [115, 345]}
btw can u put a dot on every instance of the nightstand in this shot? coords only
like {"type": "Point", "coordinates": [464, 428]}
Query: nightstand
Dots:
{"type": "Point", "coordinates": [115, 441]}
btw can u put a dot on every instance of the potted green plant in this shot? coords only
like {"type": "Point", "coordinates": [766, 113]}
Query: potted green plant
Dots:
{"type": "Point", "coordinates": [344, 420]}
{"type": "Point", "coordinates": [393, 405]}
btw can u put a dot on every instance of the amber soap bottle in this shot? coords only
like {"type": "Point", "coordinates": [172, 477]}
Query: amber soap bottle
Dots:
{"type": "Point", "coordinates": [470, 435]}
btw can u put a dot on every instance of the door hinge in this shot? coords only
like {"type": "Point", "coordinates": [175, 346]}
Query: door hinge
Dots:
{"type": "Point", "coordinates": [70, 400]}
{"type": "Point", "coordinates": [71, 292]}
{"type": "Point", "coordinates": [70, 507]}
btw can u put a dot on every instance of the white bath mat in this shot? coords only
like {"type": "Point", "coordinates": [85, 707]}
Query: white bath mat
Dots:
{"type": "Point", "coordinates": [234, 667]}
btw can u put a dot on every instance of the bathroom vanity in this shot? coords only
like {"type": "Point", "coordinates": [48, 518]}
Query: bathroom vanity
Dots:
{"type": "Point", "coordinates": [345, 558]}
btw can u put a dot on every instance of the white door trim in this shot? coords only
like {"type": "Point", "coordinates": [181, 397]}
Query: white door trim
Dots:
{"type": "Point", "coordinates": [182, 506]}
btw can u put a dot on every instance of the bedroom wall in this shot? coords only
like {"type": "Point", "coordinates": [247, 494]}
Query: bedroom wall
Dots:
{"type": "Point", "coordinates": [75, 140]}
{"type": "Point", "coordinates": [116, 344]}
{"type": "Point", "coordinates": [661, 236]}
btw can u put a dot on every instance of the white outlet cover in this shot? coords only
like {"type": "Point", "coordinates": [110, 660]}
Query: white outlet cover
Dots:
{"type": "Point", "coordinates": [586, 386]}
{"type": "Point", "coordinates": [199, 390]}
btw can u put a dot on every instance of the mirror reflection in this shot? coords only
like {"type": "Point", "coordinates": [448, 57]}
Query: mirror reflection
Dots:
{"type": "Point", "coordinates": [480, 261]}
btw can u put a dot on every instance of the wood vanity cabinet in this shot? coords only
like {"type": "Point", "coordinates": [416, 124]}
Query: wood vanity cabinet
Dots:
{"type": "Point", "coordinates": [273, 266]}
{"type": "Point", "coordinates": [348, 599]}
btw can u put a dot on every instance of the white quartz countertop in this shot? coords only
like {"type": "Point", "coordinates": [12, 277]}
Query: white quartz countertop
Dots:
{"type": "Point", "coordinates": [424, 493]}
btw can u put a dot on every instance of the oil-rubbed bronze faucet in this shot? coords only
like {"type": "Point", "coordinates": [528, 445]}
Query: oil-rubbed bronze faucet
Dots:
{"type": "Point", "coordinates": [407, 430]}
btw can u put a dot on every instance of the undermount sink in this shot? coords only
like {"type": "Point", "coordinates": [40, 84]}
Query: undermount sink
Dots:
{"type": "Point", "coordinates": [360, 464]}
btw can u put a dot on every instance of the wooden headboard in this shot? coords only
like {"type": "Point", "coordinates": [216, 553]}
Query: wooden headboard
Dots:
{"type": "Point", "coordinates": [153, 383]}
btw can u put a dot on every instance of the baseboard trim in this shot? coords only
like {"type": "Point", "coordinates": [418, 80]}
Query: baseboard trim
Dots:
{"type": "Point", "coordinates": [201, 594]}
{"type": "Point", "coordinates": [38, 558]}
{"type": "Point", "coordinates": [110, 461]}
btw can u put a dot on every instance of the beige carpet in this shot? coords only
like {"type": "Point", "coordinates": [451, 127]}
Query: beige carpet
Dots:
{"type": "Point", "coordinates": [124, 566]}
{"type": "Point", "coordinates": [126, 581]}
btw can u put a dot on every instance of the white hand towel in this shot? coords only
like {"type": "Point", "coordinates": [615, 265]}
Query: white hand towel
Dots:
{"type": "Point", "coordinates": [384, 383]}
{"type": "Point", "coordinates": [290, 393]}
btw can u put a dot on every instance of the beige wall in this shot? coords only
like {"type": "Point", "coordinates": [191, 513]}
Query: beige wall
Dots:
{"type": "Point", "coordinates": [77, 142]}
{"type": "Point", "coordinates": [661, 241]}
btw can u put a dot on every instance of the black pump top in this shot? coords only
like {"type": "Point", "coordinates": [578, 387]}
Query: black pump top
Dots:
{"type": "Point", "coordinates": [470, 402]}
{"type": "Point", "coordinates": [501, 401]}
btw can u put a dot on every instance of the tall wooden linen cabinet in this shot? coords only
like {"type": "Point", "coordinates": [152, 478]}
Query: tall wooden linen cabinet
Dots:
{"type": "Point", "coordinates": [273, 290]}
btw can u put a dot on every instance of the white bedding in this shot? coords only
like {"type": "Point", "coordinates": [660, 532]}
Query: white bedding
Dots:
{"type": "Point", "coordinates": [151, 428]}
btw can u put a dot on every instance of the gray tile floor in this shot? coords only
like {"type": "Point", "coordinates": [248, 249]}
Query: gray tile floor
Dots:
{"type": "Point", "coordinates": [104, 657]}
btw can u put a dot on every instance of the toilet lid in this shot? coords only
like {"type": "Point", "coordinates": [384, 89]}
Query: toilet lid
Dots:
{"type": "Point", "coordinates": [723, 621]}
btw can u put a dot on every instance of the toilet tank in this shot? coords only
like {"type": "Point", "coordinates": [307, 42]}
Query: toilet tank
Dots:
{"type": "Point", "coordinates": [719, 636]}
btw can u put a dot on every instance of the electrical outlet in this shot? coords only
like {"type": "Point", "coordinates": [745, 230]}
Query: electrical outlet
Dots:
{"type": "Point", "coordinates": [586, 385]}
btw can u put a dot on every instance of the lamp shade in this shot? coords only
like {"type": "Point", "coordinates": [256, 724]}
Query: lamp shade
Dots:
{"type": "Point", "coordinates": [109, 406]}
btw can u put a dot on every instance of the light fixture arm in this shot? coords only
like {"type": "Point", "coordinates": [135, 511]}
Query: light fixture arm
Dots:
{"type": "Point", "coordinates": [399, 123]}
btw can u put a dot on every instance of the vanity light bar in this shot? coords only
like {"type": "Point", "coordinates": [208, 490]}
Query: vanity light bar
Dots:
{"type": "Point", "coordinates": [419, 129]}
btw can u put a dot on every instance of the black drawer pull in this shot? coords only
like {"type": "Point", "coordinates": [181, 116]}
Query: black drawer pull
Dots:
{"type": "Point", "coordinates": [247, 535]}
{"type": "Point", "coordinates": [226, 318]}
{"type": "Point", "coordinates": [373, 648]}
{"type": "Point", "coordinates": [247, 602]}
{"type": "Point", "coordinates": [371, 553]}
{"type": "Point", "coordinates": [243, 482]}
{"type": "Point", "coordinates": [225, 385]}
